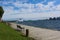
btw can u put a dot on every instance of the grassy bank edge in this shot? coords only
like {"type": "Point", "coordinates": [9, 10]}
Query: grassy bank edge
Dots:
{"type": "Point", "coordinates": [8, 33]}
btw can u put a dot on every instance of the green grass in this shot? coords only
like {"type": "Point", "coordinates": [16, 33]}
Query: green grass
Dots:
{"type": "Point", "coordinates": [7, 33]}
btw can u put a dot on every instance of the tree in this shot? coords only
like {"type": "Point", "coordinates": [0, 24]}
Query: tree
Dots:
{"type": "Point", "coordinates": [1, 11]}
{"type": "Point", "coordinates": [50, 18]}
{"type": "Point", "coordinates": [54, 18]}
{"type": "Point", "coordinates": [58, 18]}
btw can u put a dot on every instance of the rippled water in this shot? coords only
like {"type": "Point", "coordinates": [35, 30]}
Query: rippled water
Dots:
{"type": "Point", "coordinates": [50, 24]}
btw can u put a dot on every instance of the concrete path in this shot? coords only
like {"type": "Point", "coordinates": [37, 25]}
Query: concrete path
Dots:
{"type": "Point", "coordinates": [40, 33]}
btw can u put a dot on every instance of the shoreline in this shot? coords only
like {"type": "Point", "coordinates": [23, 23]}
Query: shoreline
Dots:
{"type": "Point", "coordinates": [39, 33]}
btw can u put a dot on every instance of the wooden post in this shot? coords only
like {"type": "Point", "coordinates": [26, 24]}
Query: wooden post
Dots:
{"type": "Point", "coordinates": [27, 32]}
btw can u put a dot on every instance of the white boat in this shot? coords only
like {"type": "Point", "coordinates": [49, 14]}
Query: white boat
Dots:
{"type": "Point", "coordinates": [20, 20]}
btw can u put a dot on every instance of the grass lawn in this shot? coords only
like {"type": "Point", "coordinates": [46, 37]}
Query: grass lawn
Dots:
{"type": "Point", "coordinates": [7, 33]}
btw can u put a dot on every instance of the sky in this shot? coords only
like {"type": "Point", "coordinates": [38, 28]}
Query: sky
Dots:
{"type": "Point", "coordinates": [30, 9]}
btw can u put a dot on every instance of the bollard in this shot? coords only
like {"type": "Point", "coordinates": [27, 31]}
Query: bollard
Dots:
{"type": "Point", "coordinates": [27, 32]}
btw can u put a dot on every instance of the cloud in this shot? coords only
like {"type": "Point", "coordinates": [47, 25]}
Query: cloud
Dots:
{"type": "Point", "coordinates": [32, 11]}
{"type": "Point", "coordinates": [30, 7]}
{"type": "Point", "coordinates": [58, 7]}
{"type": "Point", "coordinates": [43, 1]}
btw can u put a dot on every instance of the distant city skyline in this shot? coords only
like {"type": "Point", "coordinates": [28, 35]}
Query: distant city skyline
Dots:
{"type": "Point", "coordinates": [30, 9]}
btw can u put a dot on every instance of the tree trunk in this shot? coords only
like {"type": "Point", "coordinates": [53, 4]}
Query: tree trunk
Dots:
{"type": "Point", "coordinates": [0, 19]}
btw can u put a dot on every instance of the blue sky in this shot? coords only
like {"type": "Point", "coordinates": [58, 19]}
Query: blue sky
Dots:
{"type": "Point", "coordinates": [30, 9]}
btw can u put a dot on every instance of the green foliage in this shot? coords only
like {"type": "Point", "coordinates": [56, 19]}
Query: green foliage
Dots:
{"type": "Point", "coordinates": [7, 33]}
{"type": "Point", "coordinates": [1, 11]}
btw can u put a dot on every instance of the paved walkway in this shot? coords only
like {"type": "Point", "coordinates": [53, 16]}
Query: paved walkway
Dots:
{"type": "Point", "coordinates": [40, 33]}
